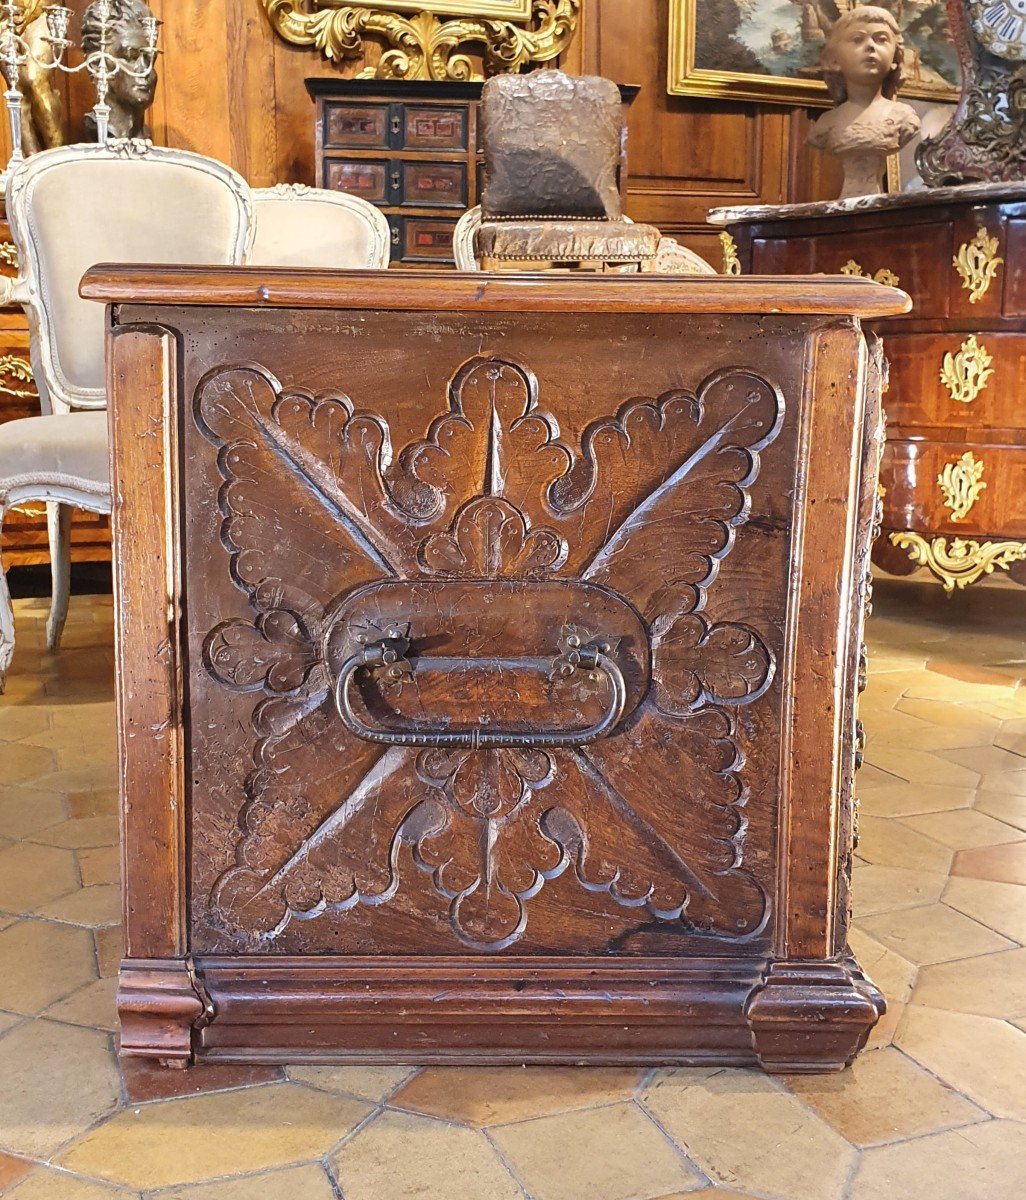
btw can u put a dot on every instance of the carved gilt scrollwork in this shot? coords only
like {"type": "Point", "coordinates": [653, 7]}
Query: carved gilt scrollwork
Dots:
{"type": "Point", "coordinates": [961, 563]}
{"type": "Point", "coordinates": [884, 275]}
{"type": "Point", "coordinates": [17, 370]}
{"type": "Point", "coordinates": [425, 45]}
{"type": "Point", "coordinates": [977, 264]}
{"type": "Point", "coordinates": [965, 373]}
{"type": "Point", "coordinates": [731, 262]}
{"type": "Point", "coordinates": [961, 484]}
{"type": "Point", "coordinates": [9, 254]}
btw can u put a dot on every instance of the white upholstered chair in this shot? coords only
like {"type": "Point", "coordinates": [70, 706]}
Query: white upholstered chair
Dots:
{"type": "Point", "coordinates": [71, 208]}
{"type": "Point", "coordinates": [299, 226]}
{"type": "Point", "coordinates": [671, 257]}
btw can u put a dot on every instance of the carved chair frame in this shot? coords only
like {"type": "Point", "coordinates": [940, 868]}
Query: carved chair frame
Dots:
{"type": "Point", "coordinates": [57, 392]}
{"type": "Point", "coordinates": [360, 209]}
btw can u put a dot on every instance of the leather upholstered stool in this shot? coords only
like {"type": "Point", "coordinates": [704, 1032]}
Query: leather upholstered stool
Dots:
{"type": "Point", "coordinates": [551, 148]}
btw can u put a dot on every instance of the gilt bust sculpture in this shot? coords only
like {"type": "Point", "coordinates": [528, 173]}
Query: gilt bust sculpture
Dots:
{"type": "Point", "coordinates": [862, 59]}
{"type": "Point", "coordinates": [129, 97]}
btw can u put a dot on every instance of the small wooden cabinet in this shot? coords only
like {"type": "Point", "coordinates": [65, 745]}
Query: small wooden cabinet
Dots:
{"type": "Point", "coordinates": [412, 148]}
{"type": "Point", "coordinates": [24, 533]}
{"type": "Point", "coordinates": [487, 687]}
{"type": "Point", "coordinates": [954, 467]}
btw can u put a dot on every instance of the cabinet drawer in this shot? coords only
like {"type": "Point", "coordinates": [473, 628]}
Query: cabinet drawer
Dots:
{"type": "Point", "coordinates": [422, 239]}
{"type": "Point", "coordinates": [972, 382]}
{"type": "Point", "coordinates": [919, 259]}
{"type": "Point", "coordinates": [367, 178]}
{"type": "Point", "coordinates": [431, 127]}
{"type": "Point", "coordinates": [432, 184]}
{"type": "Point", "coordinates": [356, 126]}
{"type": "Point", "coordinates": [914, 498]}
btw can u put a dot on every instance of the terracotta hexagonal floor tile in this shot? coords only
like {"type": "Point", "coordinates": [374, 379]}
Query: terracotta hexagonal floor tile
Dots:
{"type": "Point", "coordinates": [886, 842]}
{"type": "Point", "coordinates": [22, 763]}
{"type": "Point", "coordinates": [366, 1083]}
{"type": "Point", "coordinates": [202, 1138]}
{"type": "Point", "coordinates": [861, 1103]}
{"type": "Point", "coordinates": [101, 864]}
{"type": "Point", "coordinates": [498, 1095]}
{"type": "Point", "coordinates": [293, 1183]}
{"type": "Point", "coordinates": [27, 810]}
{"type": "Point", "coordinates": [57, 1081]}
{"type": "Point", "coordinates": [81, 833]}
{"type": "Point", "coordinates": [12, 1170]}
{"type": "Point", "coordinates": [91, 906]}
{"type": "Point", "coordinates": [1000, 906]}
{"type": "Point", "coordinates": [935, 933]}
{"type": "Point", "coordinates": [31, 875]}
{"type": "Point", "coordinates": [963, 828]}
{"type": "Point", "coordinates": [610, 1153]}
{"type": "Point", "coordinates": [982, 1162]}
{"type": "Point", "coordinates": [47, 1184]}
{"type": "Point", "coordinates": [146, 1080]}
{"type": "Point", "coordinates": [902, 799]}
{"type": "Point", "coordinates": [1000, 864]}
{"type": "Point", "coordinates": [92, 1006]}
{"type": "Point", "coordinates": [748, 1132]}
{"type": "Point", "coordinates": [993, 985]}
{"type": "Point", "coordinates": [40, 962]}
{"type": "Point", "coordinates": [400, 1154]}
{"type": "Point", "coordinates": [980, 1057]}
{"type": "Point", "coordinates": [886, 889]}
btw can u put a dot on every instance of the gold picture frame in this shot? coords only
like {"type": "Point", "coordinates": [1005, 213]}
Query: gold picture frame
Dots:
{"type": "Point", "coordinates": [716, 70]}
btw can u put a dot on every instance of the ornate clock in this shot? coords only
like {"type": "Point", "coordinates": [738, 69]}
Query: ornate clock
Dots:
{"type": "Point", "coordinates": [985, 140]}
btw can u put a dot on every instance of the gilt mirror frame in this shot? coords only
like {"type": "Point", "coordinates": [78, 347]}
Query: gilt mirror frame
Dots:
{"type": "Point", "coordinates": [450, 40]}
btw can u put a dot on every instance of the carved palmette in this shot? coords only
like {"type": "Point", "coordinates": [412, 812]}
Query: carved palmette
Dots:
{"type": "Point", "coordinates": [490, 756]}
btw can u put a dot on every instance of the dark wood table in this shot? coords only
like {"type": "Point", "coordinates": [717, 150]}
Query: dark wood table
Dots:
{"type": "Point", "coordinates": [488, 655]}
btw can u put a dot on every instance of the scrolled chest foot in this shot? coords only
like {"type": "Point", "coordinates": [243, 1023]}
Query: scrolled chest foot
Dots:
{"type": "Point", "coordinates": [812, 1016]}
{"type": "Point", "coordinates": [160, 1004]}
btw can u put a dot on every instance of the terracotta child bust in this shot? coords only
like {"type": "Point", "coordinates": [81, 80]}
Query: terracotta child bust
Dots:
{"type": "Point", "coordinates": [862, 59]}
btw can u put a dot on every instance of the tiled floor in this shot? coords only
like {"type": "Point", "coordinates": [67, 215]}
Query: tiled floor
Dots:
{"type": "Point", "coordinates": [936, 1109]}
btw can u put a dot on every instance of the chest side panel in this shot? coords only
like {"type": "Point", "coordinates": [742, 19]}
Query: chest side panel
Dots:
{"type": "Point", "coordinates": [555, 525]}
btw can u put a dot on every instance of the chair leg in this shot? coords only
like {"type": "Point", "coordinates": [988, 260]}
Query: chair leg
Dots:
{"type": "Point", "coordinates": [58, 523]}
{"type": "Point", "coordinates": [6, 622]}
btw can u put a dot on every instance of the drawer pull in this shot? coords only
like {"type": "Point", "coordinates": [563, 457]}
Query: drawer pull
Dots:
{"type": "Point", "coordinates": [961, 483]}
{"type": "Point", "coordinates": [19, 371]}
{"type": "Point", "coordinates": [884, 275]}
{"type": "Point", "coordinates": [964, 562]}
{"type": "Point", "coordinates": [388, 657]}
{"type": "Point", "coordinates": [965, 373]}
{"type": "Point", "coordinates": [9, 254]}
{"type": "Point", "coordinates": [977, 263]}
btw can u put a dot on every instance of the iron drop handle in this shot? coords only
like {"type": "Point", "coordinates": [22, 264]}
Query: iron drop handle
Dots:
{"type": "Point", "coordinates": [388, 655]}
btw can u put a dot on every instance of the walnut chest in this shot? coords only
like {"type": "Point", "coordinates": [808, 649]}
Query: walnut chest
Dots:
{"type": "Point", "coordinates": [954, 467]}
{"type": "Point", "coordinates": [488, 655]}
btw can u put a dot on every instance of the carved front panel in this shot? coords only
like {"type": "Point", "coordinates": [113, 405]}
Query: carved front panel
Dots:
{"type": "Point", "coordinates": [485, 623]}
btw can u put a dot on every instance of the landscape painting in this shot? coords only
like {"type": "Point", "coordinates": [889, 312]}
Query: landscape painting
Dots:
{"type": "Point", "coordinates": [769, 49]}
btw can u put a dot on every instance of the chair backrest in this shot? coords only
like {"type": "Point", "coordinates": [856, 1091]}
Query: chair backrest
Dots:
{"type": "Point", "coordinates": [299, 226]}
{"type": "Point", "coordinates": [552, 146]}
{"type": "Point", "coordinates": [463, 240]}
{"type": "Point", "coordinates": [128, 202]}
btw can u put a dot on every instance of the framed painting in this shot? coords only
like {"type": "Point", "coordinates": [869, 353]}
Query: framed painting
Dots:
{"type": "Point", "coordinates": [768, 50]}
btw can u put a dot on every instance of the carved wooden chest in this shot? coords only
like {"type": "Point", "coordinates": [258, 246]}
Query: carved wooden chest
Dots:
{"type": "Point", "coordinates": [488, 655]}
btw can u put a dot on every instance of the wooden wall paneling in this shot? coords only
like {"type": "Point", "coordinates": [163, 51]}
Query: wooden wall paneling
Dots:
{"type": "Point", "coordinates": [252, 119]}
{"type": "Point", "coordinates": [193, 65]}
